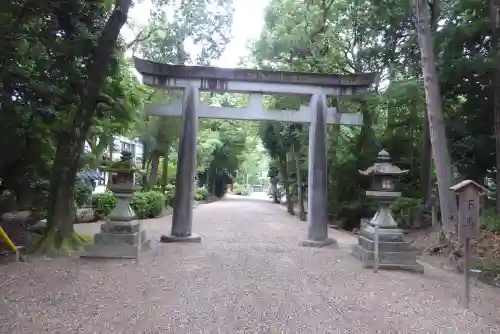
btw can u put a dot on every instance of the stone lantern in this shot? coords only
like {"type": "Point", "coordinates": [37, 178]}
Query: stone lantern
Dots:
{"type": "Point", "coordinates": [121, 235]}
{"type": "Point", "coordinates": [394, 251]}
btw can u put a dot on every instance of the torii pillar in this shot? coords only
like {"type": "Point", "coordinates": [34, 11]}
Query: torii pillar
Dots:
{"type": "Point", "coordinates": [317, 214]}
{"type": "Point", "coordinates": [182, 217]}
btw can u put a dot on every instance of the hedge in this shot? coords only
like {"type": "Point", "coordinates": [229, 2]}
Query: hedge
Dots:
{"type": "Point", "coordinates": [149, 204]}
{"type": "Point", "coordinates": [239, 189]}
{"type": "Point", "coordinates": [102, 204]}
{"type": "Point", "coordinates": [201, 194]}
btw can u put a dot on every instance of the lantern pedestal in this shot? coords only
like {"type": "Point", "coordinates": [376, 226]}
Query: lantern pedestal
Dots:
{"type": "Point", "coordinates": [393, 251]}
{"type": "Point", "coordinates": [121, 235]}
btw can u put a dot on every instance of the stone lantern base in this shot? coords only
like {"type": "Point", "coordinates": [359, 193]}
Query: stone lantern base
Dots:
{"type": "Point", "coordinates": [394, 251]}
{"type": "Point", "coordinates": [121, 236]}
{"type": "Point", "coordinates": [119, 240]}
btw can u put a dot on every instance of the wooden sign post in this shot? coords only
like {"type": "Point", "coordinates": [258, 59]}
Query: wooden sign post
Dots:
{"type": "Point", "coordinates": [468, 222]}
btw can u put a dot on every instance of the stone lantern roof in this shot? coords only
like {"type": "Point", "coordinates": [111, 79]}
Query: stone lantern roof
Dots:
{"type": "Point", "coordinates": [383, 166]}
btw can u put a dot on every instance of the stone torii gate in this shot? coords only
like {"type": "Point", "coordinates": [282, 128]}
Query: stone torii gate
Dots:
{"type": "Point", "coordinates": [193, 79]}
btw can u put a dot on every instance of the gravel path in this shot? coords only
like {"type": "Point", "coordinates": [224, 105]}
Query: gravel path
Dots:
{"type": "Point", "coordinates": [247, 276]}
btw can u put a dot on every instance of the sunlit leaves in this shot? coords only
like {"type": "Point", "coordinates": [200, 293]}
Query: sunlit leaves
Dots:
{"type": "Point", "coordinates": [201, 25]}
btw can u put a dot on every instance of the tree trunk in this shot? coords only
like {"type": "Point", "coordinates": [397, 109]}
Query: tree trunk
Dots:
{"type": "Point", "coordinates": [61, 215]}
{"type": "Point", "coordinates": [70, 144]}
{"type": "Point", "coordinates": [145, 164]}
{"type": "Point", "coordinates": [495, 23]}
{"type": "Point", "coordinates": [153, 175]}
{"type": "Point", "coordinates": [426, 167]}
{"type": "Point", "coordinates": [437, 129]}
{"type": "Point", "coordinates": [164, 174]}
{"type": "Point", "coordinates": [287, 185]}
{"type": "Point", "coordinates": [62, 186]}
{"type": "Point", "coordinates": [274, 190]}
{"type": "Point", "coordinates": [300, 189]}
{"type": "Point", "coordinates": [213, 179]}
{"type": "Point", "coordinates": [207, 180]}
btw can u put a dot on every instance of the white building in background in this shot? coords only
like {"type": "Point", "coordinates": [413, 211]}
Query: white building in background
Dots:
{"type": "Point", "coordinates": [121, 143]}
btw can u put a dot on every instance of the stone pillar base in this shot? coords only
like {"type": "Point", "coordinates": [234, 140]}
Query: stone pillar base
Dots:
{"type": "Point", "coordinates": [193, 238]}
{"type": "Point", "coordinates": [326, 243]}
{"type": "Point", "coordinates": [117, 240]}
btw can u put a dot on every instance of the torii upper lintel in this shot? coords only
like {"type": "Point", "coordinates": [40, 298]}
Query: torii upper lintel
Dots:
{"type": "Point", "coordinates": [208, 78]}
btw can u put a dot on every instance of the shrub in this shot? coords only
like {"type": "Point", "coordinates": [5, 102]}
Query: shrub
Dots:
{"type": "Point", "coordinates": [156, 187]}
{"type": "Point", "coordinates": [239, 189]}
{"type": "Point", "coordinates": [220, 189]}
{"type": "Point", "coordinates": [83, 193]}
{"type": "Point", "coordinates": [352, 212]}
{"type": "Point", "coordinates": [490, 271]}
{"type": "Point", "coordinates": [149, 204]}
{"type": "Point", "coordinates": [403, 205]}
{"type": "Point", "coordinates": [102, 204]}
{"type": "Point", "coordinates": [139, 204]}
{"type": "Point", "coordinates": [169, 194]}
{"type": "Point", "coordinates": [201, 194]}
{"type": "Point", "coordinates": [403, 209]}
{"type": "Point", "coordinates": [491, 221]}
{"type": "Point", "coordinates": [156, 203]}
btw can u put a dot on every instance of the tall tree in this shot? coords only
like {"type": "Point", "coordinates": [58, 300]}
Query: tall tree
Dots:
{"type": "Point", "coordinates": [70, 140]}
{"type": "Point", "coordinates": [437, 129]}
{"type": "Point", "coordinates": [426, 169]}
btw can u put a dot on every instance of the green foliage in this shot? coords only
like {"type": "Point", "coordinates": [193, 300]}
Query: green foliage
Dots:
{"type": "Point", "coordinates": [239, 189]}
{"type": "Point", "coordinates": [169, 194]}
{"type": "Point", "coordinates": [227, 152]}
{"type": "Point", "coordinates": [490, 271]}
{"type": "Point", "coordinates": [83, 193]}
{"type": "Point", "coordinates": [102, 204]}
{"type": "Point", "coordinates": [201, 194]}
{"type": "Point", "coordinates": [491, 221]}
{"type": "Point", "coordinates": [353, 210]}
{"type": "Point", "coordinates": [55, 96]}
{"type": "Point", "coordinates": [367, 36]}
{"type": "Point", "coordinates": [206, 23]}
{"type": "Point", "coordinates": [220, 188]}
{"type": "Point", "coordinates": [149, 204]}
{"type": "Point", "coordinates": [226, 155]}
{"type": "Point", "coordinates": [404, 206]}
{"type": "Point", "coordinates": [145, 204]}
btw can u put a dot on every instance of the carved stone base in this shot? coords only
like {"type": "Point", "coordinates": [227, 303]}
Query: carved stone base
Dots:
{"type": "Point", "coordinates": [327, 243]}
{"type": "Point", "coordinates": [392, 254]}
{"type": "Point", "coordinates": [117, 251]}
{"type": "Point", "coordinates": [118, 240]}
{"type": "Point", "coordinates": [193, 238]}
